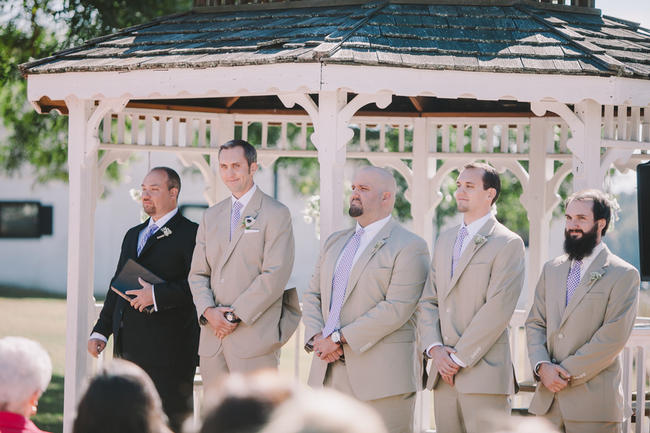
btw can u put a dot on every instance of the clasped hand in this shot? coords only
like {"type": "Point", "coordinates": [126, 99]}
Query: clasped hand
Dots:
{"type": "Point", "coordinates": [215, 317]}
{"type": "Point", "coordinates": [553, 377]}
{"type": "Point", "coordinates": [326, 349]}
{"type": "Point", "coordinates": [143, 297]}
{"type": "Point", "coordinates": [446, 366]}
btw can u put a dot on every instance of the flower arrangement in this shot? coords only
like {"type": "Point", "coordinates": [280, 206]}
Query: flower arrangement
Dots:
{"type": "Point", "coordinates": [166, 231]}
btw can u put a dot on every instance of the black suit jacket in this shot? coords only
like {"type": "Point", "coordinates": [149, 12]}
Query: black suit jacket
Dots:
{"type": "Point", "coordinates": [168, 337]}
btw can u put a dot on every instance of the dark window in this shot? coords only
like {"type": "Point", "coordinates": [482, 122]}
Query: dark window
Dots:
{"type": "Point", "coordinates": [193, 212]}
{"type": "Point", "coordinates": [24, 219]}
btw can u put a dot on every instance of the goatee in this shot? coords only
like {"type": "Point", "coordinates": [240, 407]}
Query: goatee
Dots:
{"type": "Point", "coordinates": [579, 248]}
{"type": "Point", "coordinates": [355, 211]}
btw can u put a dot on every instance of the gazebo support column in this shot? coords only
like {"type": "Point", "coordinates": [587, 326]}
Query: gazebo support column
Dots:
{"type": "Point", "coordinates": [82, 166]}
{"type": "Point", "coordinates": [539, 201]}
{"type": "Point", "coordinates": [586, 168]}
{"type": "Point", "coordinates": [420, 196]}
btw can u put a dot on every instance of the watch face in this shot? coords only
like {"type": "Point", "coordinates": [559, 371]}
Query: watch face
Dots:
{"type": "Point", "coordinates": [336, 336]}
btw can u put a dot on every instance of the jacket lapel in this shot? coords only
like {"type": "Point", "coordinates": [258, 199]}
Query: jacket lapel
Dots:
{"type": "Point", "coordinates": [329, 264]}
{"type": "Point", "coordinates": [470, 250]}
{"type": "Point", "coordinates": [252, 209]}
{"type": "Point", "coordinates": [558, 286]}
{"type": "Point", "coordinates": [375, 245]}
{"type": "Point", "coordinates": [599, 265]}
{"type": "Point", "coordinates": [132, 248]}
{"type": "Point", "coordinates": [158, 234]}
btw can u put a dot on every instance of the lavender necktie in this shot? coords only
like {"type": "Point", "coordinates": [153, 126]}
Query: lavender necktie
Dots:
{"type": "Point", "coordinates": [573, 280]}
{"type": "Point", "coordinates": [152, 229]}
{"type": "Point", "coordinates": [458, 248]}
{"type": "Point", "coordinates": [234, 217]}
{"type": "Point", "coordinates": [340, 282]}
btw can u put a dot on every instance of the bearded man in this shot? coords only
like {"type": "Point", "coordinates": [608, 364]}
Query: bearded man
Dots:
{"type": "Point", "coordinates": [584, 310]}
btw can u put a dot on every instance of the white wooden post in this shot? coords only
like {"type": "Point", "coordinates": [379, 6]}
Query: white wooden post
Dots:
{"type": "Point", "coordinates": [586, 167]}
{"type": "Point", "coordinates": [330, 140]}
{"type": "Point", "coordinates": [420, 194]}
{"type": "Point", "coordinates": [82, 166]}
{"type": "Point", "coordinates": [539, 202]}
{"type": "Point", "coordinates": [225, 132]}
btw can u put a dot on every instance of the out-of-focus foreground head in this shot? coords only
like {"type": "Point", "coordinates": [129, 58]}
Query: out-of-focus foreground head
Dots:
{"type": "Point", "coordinates": [120, 398]}
{"type": "Point", "coordinates": [325, 411]}
{"type": "Point", "coordinates": [25, 372]}
{"type": "Point", "coordinates": [243, 403]}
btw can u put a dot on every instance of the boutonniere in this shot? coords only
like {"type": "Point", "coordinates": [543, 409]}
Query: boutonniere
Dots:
{"type": "Point", "coordinates": [378, 245]}
{"type": "Point", "coordinates": [479, 239]}
{"type": "Point", "coordinates": [247, 222]}
{"type": "Point", "coordinates": [595, 276]}
{"type": "Point", "coordinates": [166, 231]}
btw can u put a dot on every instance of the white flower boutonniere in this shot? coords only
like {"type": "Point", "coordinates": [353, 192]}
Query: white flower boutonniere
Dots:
{"type": "Point", "coordinates": [166, 231]}
{"type": "Point", "coordinates": [479, 239]}
{"type": "Point", "coordinates": [378, 245]}
{"type": "Point", "coordinates": [247, 222]}
{"type": "Point", "coordinates": [595, 276]}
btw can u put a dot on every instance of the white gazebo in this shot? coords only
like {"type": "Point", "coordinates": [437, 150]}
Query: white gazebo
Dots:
{"type": "Point", "coordinates": [541, 90]}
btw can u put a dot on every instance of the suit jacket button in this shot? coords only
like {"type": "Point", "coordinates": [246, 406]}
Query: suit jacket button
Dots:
{"type": "Point", "coordinates": [448, 310]}
{"type": "Point", "coordinates": [560, 336]}
{"type": "Point", "coordinates": [221, 280]}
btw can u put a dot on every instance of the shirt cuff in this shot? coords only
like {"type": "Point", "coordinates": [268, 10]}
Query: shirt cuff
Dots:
{"type": "Point", "coordinates": [457, 360]}
{"type": "Point", "coordinates": [536, 369]}
{"type": "Point", "coordinates": [153, 295]}
{"type": "Point", "coordinates": [98, 336]}
{"type": "Point", "coordinates": [426, 352]}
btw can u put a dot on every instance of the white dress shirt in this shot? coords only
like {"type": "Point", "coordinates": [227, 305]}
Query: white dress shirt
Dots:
{"type": "Point", "coordinates": [369, 233]}
{"type": "Point", "coordinates": [472, 229]}
{"type": "Point", "coordinates": [160, 223]}
{"type": "Point", "coordinates": [244, 199]}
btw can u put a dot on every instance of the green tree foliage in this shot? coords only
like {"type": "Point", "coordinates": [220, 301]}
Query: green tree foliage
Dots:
{"type": "Point", "coordinates": [33, 29]}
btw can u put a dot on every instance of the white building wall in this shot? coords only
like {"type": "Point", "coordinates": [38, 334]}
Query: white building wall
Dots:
{"type": "Point", "coordinates": [41, 263]}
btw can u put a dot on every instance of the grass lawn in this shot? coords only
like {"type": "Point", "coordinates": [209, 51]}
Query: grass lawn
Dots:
{"type": "Point", "coordinates": [41, 317]}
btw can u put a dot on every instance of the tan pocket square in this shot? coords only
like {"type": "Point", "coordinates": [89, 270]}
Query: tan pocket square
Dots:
{"type": "Point", "coordinates": [251, 231]}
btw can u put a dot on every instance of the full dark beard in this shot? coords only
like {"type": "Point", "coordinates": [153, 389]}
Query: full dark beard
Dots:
{"type": "Point", "coordinates": [577, 249]}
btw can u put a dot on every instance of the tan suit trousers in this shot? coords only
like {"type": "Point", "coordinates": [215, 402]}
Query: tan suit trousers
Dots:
{"type": "Point", "coordinates": [554, 416]}
{"type": "Point", "coordinates": [213, 368]}
{"type": "Point", "coordinates": [396, 410]}
{"type": "Point", "coordinates": [465, 413]}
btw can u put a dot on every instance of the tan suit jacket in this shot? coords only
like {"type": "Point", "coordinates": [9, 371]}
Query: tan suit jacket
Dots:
{"type": "Point", "coordinates": [471, 310]}
{"type": "Point", "coordinates": [249, 274]}
{"type": "Point", "coordinates": [585, 337]}
{"type": "Point", "coordinates": [377, 317]}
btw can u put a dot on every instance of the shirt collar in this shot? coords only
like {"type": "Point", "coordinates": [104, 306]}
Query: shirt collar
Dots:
{"type": "Point", "coordinates": [373, 228]}
{"type": "Point", "coordinates": [475, 226]}
{"type": "Point", "coordinates": [244, 199]}
{"type": "Point", "coordinates": [163, 220]}
{"type": "Point", "coordinates": [588, 260]}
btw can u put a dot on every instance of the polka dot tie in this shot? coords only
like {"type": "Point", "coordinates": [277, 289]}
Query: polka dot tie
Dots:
{"type": "Point", "coordinates": [234, 217]}
{"type": "Point", "coordinates": [573, 280]}
{"type": "Point", "coordinates": [458, 248]}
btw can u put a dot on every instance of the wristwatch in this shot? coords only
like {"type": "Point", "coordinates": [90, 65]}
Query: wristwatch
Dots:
{"type": "Point", "coordinates": [336, 336]}
{"type": "Point", "coordinates": [230, 316]}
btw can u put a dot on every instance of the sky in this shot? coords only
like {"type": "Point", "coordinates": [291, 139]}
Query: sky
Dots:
{"type": "Point", "coordinates": [637, 11]}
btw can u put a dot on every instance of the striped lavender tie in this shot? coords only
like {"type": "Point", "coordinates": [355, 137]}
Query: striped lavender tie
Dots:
{"type": "Point", "coordinates": [153, 229]}
{"type": "Point", "coordinates": [234, 217]}
{"type": "Point", "coordinates": [458, 247]}
{"type": "Point", "coordinates": [573, 280]}
{"type": "Point", "coordinates": [340, 282]}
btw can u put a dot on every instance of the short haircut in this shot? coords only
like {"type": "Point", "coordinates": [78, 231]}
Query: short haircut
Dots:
{"type": "Point", "coordinates": [25, 368]}
{"type": "Point", "coordinates": [173, 179]}
{"type": "Point", "coordinates": [249, 150]}
{"type": "Point", "coordinates": [491, 178]}
{"type": "Point", "coordinates": [602, 205]}
{"type": "Point", "coordinates": [120, 398]}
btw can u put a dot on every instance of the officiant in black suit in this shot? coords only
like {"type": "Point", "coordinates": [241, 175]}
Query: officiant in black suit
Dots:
{"type": "Point", "coordinates": [164, 342]}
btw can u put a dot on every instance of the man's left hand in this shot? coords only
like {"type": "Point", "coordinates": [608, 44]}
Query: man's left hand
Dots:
{"type": "Point", "coordinates": [327, 350]}
{"type": "Point", "coordinates": [143, 297]}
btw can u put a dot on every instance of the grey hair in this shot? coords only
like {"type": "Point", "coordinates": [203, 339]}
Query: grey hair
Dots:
{"type": "Point", "coordinates": [25, 367]}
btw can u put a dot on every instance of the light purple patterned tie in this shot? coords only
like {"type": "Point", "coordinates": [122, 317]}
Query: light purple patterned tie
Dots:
{"type": "Point", "coordinates": [234, 217]}
{"type": "Point", "coordinates": [458, 248]}
{"type": "Point", "coordinates": [573, 279]}
{"type": "Point", "coordinates": [340, 282]}
{"type": "Point", "coordinates": [152, 229]}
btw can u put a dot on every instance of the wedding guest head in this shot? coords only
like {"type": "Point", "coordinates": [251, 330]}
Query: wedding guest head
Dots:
{"type": "Point", "coordinates": [244, 403]}
{"type": "Point", "coordinates": [587, 215]}
{"type": "Point", "coordinates": [120, 398]}
{"type": "Point", "coordinates": [324, 411]}
{"type": "Point", "coordinates": [160, 189]}
{"type": "Point", "coordinates": [25, 372]}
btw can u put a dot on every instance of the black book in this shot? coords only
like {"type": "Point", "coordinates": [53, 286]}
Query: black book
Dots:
{"type": "Point", "coordinates": [127, 280]}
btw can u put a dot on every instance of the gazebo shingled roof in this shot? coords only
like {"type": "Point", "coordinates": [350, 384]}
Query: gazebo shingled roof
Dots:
{"type": "Point", "coordinates": [519, 36]}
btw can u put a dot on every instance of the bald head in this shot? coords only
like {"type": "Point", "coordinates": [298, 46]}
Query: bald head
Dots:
{"type": "Point", "coordinates": [373, 195]}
